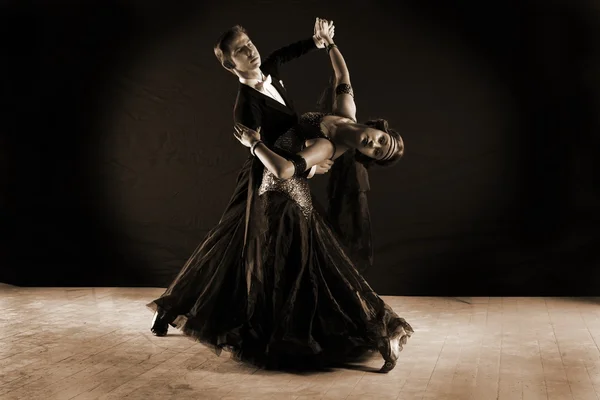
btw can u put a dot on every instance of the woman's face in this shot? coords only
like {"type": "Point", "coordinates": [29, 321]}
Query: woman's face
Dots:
{"type": "Point", "coordinates": [373, 143]}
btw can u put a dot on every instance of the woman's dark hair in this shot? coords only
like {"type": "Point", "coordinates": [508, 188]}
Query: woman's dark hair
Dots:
{"type": "Point", "coordinates": [223, 46]}
{"type": "Point", "coordinates": [382, 125]}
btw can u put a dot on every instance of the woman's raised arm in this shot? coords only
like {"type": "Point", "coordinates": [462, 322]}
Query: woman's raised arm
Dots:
{"type": "Point", "coordinates": [343, 104]}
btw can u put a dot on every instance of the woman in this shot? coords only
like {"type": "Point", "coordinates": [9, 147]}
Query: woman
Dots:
{"type": "Point", "coordinates": [304, 256]}
{"type": "Point", "coordinates": [292, 297]}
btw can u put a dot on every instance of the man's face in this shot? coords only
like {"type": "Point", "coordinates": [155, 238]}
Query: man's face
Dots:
{"type": "Point", "coordinates": [244, 54]}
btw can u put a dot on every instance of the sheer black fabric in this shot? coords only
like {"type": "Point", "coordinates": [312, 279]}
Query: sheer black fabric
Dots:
{"type": "Point", "coordinates": [278, 291]}
{"type": "Point", "coordinates": [208, 286]}
{"type": "Point", "coordinates": [348, 206]}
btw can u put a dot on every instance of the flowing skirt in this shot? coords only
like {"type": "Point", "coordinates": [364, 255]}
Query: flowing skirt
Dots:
{"type": "Point", "coordinates": [280, 294]}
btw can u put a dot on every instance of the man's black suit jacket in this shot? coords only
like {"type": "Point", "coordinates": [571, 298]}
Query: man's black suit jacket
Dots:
{"type": "Point", "coordinates": [255, 109]}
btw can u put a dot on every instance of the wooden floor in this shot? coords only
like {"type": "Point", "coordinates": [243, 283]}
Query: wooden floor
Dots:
{"type": "Point", "coordinates": [94, 343]}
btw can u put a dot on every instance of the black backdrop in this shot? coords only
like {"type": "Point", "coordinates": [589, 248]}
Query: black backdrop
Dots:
{"type": "Point", "coordinates": [118, 156]}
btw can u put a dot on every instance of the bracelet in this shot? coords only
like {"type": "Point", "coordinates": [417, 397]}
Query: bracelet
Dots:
{"type": "Point", "coordinates": [313, 169]}
{"type": "Point", "coordinates": [299, 164]}
{"type": "Point", "coordinates": [330, 46]}
{"type": "Point", "coordinates": [344, 88]}
{"type": "Point", "coordinates": [253, 147]}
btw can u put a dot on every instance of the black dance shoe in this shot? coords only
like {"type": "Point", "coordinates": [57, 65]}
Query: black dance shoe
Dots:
{"type": "Point", "coordinates": [159, 325]}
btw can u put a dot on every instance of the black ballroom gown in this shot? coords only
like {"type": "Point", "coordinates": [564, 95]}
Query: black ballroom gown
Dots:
{"type": "Point", "coordinates": [277, 288]}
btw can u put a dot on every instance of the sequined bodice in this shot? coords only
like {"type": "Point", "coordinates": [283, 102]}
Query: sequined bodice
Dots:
{"type": "Point", "coordinates": [293, 141]}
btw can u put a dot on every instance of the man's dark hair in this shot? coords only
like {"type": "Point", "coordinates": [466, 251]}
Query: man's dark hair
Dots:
{"type": "Point", "coordinates": [223, 46]}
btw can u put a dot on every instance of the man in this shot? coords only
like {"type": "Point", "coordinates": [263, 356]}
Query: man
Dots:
{"type": "Point", "coordinates": [262, 102]}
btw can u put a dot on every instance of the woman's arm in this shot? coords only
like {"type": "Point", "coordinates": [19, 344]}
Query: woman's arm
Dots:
{"type": "Point", "coordinates": [343, 103]}
{"type": "Point", "coordinates": [281, 167]}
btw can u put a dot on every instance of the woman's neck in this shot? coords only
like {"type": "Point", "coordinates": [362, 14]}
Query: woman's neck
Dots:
{"type": "Point", "coordinates": [340, 133]}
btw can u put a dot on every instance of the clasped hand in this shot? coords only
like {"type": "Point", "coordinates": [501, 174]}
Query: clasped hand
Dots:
{"type": "Point", "coordinates": [324, 30]}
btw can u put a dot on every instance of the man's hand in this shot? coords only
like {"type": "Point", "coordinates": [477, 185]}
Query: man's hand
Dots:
{"type": "Point", "coordinates": [323, 167]}
{"type": "Point", "coordinates": [323, 28]}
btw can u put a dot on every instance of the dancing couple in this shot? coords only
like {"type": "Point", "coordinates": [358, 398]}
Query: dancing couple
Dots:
{"type": "Point", "coordinates": [276, 281]}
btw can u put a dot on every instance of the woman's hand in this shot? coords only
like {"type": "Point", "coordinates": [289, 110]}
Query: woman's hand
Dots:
{"type": "Point", "coordinates": [245, 135]}
{"type": "Point", "coordinates": [324, 30]}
